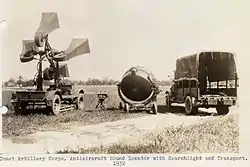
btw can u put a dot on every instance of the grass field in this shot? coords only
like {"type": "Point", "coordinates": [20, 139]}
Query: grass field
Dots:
{"type": "Point", "coordinates": [23, 125]}
{"type": "Point", "coordinates": [218, 136]}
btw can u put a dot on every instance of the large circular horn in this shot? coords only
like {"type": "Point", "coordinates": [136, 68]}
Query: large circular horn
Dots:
{"type": "Point", "coordinates": [29, 51]}
{"type": "Point", "coordinates": [49, 22]}
{"type": "Point", "coordinates": [77, 47]}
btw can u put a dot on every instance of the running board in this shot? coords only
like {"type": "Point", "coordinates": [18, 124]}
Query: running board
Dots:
{"type": "Point", "coordinates": [67, 107]}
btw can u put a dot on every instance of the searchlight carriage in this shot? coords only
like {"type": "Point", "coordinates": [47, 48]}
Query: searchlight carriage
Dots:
{"type": "Point", "coordinates": [138, 90]}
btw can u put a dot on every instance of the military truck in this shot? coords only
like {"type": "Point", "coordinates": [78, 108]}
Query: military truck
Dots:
{"type": "Point", "coordinates": [206, 79]}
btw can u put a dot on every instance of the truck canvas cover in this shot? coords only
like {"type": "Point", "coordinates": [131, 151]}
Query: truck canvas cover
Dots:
{"type": "Point", "coordinates": [215, 66]}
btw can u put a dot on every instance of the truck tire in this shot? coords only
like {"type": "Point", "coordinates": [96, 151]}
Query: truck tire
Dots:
{"type": "Point", "coordinates": [189, 108]}
{"type": "Point", "coordinates": [222, 110]}
{"type": "Point", "coordinates": [55, 108]}
{"type": "Point", "coordinates": [80, 102]}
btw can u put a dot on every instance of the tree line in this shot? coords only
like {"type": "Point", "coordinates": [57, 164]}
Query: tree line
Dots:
{"type": "Point", "coordinates": [20, 81]}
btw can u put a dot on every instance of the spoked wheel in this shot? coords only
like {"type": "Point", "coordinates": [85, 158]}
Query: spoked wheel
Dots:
{"type": "Point", "coordinates": [126, 108]}
{"type": "Point", "coordinates": [222, 110]}
{"type": "Point", "coordinates": [189, 108]}
{"type": "Point", "coordinates": [154, 108]}
{"type": "Point", "coordinates": [80, 102]}
{"type": "Point", "coordinates": [56, 105]}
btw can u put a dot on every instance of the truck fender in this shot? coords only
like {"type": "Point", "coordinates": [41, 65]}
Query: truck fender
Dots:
{"type": "Point", "coordinates": [77, 91]}
{"type": "Point", "coordinates": [50, 96]}
{"type": "Point", "coordinates": [81, 91]}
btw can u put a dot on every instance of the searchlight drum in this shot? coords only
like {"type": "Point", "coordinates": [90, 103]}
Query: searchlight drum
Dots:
{"type": "Point", "coordinates": [138, 90]}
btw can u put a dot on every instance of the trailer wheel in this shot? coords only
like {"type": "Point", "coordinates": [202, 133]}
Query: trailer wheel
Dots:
{"type": "Point", "coordinates": [154, 108]}
{"type": "Point", "coordinates": [80, 102]}
{"type": "Point", "coordinates": [189, 108]}
{"type": "Point", "coordinates": [120, 106]}
{"type": "Point", "coordinates": [126, 108]}
{"type": "Point", "coordinates": [56, 105]}
{"type": "Point", "coordinates": [222, 110]}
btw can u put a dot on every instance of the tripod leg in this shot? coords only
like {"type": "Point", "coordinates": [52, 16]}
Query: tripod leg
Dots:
{"type": "Point", "coordinates": [103, 107]}
{"type": "Point", "coordinates": [97, 105]}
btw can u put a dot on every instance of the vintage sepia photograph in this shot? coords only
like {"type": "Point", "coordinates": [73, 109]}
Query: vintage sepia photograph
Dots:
{"type": "Point", "coordinates": [121, 77]}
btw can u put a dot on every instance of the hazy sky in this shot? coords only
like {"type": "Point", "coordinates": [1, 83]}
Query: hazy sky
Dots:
{"type": "Point", "coordinates": [123, 33]}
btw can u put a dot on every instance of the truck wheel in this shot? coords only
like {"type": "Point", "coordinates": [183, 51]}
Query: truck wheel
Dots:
{"type": "Point", "coordinates": [56, 105]}
{"type": "Point", "coordinates": [126, 108]}
{"type": "Point", "coordinates": [189, 108]}
{"type": "Point", "coordinates": [80, 102]}
{"type": "Point", "coordinates": [222, 110]}
{"type": "Point", "coordinates": [154, 109]}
